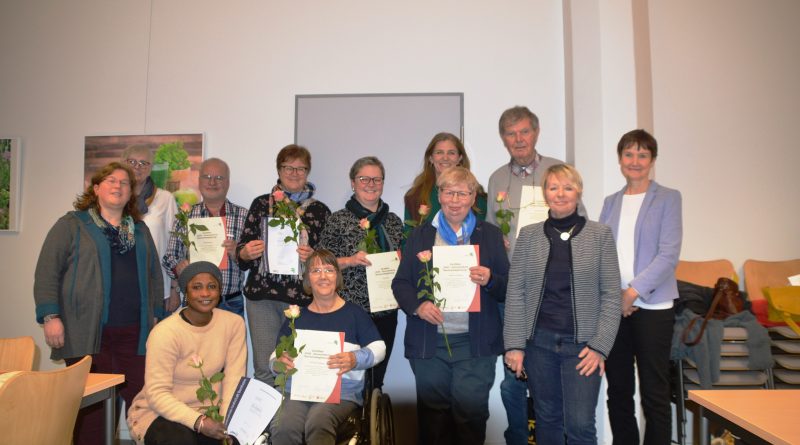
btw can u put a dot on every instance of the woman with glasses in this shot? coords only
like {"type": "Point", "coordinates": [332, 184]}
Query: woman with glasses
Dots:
{"type": "Point", "coordinates": [158, 209]}
{"type": "Point", "coordinates": [314, 422]}
{"type": "Point", "coordinates": [454, 373]}
{"type": "Point", "coordinates": [269, 294]}
{"type": "Point", "coordinates": [345, 237]}
{"type": "Point", "coordinates": [444, 151]}
{"type": "Point", "coordinates": [98, 287]}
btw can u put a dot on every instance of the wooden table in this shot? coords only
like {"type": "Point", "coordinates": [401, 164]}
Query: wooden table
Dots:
{"type": "Point", "coordinates": [764, 416]}
{"type": "Point", "coordinates": [103, 387]}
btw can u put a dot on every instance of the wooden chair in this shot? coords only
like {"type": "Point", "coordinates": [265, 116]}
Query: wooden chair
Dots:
{"type": "Point", "coordinates": [785, 342]}
{"type": "Point", "coordinates": [705, 273]}
{"type": "Point", "coordinates": [41, 406]}
{"type": "Point", "coordinates": [16, 354]}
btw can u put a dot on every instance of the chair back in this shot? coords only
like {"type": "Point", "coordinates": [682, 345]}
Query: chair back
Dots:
{"type": "Point", "coordinates": [761, 274]}
{"type": "Point", "coordinates": [705, 273]}
{"type": "Point", "coordinates": [16, 354]}
{"type": "Point", "coordinates": [41, 406]}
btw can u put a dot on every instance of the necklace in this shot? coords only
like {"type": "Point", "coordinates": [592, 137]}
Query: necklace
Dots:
{"type": "Point", "coordinates": [565, 235]}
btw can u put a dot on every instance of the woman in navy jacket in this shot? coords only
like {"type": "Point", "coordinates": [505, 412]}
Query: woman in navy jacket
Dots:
{"type": "Point", "coordinates": [453, 390]}
{"type": "Point", "coordinates": [645, 218]}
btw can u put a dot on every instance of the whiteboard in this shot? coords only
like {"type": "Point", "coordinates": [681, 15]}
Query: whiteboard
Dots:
{"type": "Point", "coordinates": [340, 128]}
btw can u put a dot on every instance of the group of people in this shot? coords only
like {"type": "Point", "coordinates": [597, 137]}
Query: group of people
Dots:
{"type": "Point", "coordinates": [563, 300]}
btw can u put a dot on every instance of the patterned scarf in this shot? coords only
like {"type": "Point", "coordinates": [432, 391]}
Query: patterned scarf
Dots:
{"type": "Point", "coordinates": [298, 197]}
{"type": "Point", "coordinates": [121, 239]}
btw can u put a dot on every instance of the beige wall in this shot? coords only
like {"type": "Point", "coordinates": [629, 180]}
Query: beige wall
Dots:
{"type": "Point", "coordinates": [726, 108]}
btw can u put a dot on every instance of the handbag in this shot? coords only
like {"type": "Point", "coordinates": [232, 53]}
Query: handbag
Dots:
{"type": "Point", "coordinates": [784, 305]}
{"type": "Point", "coordinates": [727, 301]}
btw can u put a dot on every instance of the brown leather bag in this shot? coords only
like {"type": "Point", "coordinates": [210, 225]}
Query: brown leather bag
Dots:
{"type": "Point", "coordinates": [727, 301]}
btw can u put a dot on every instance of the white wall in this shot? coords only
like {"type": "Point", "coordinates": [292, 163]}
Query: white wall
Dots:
{"type": "Point", "coordinates": [231, 70]}
{"type": "Point", "coordinates": [724, 98]}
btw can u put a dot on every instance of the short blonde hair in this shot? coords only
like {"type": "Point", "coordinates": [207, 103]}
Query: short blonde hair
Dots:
{"type": "Point", "coordinates": [457, 175]}
{"type": "Point", "coordinates": [566, 171]}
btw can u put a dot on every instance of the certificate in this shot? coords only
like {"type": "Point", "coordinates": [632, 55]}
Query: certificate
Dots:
{"type": "Point", "coordinates": [314, 381]}
{"type": "Point", "coordinates": [206, 245]}
{"type": "Point", "coordinates": [282, 257]}
{"type": "Point", "coordinates": [459, 292]}
{"type": "Point", "coordinates": [252, 407]}
{"type": "Point", "coordinates": [532, 208]}
{"type": "Point", "coordinates": [379, 280]}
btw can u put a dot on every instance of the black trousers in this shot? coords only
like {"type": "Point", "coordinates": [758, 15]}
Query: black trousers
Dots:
{"type": "Point", "coordinates": [643, 340]}
{"type": "Point", "coordinates": [167, 432]}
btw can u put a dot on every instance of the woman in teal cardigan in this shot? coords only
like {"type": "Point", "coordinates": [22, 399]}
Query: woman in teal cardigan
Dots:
{"type": "Point", "coordinates": [444, 151]}
{"type": "Point", "coordinates": [98, 287]}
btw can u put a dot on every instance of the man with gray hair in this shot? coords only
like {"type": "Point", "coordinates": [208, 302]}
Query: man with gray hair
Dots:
{"type": "Point", "coordinates": [519, 130]}
{"type": "Point", "coordinates": [214, 183]}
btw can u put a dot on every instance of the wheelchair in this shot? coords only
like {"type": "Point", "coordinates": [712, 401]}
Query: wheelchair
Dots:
{"type": "Point", "coordinates": [372, 423]}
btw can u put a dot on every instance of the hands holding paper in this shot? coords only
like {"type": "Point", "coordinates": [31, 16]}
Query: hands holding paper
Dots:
{"type": "Point", "coordinates": [344, 361]}
{"type": "Point", "coordinates": [480, 275]}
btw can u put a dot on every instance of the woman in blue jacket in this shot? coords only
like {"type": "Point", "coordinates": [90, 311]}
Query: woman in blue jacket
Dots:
{"type": "Point", "coordinates": [453, 390]}
{"type": "Point", "coordinates": [645, 218]}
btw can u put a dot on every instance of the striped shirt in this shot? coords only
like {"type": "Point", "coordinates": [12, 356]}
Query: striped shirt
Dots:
{"type": "Point", "coordinates": [596, 300]}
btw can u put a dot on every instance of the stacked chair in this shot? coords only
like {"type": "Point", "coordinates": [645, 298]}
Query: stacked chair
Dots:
{"type": "Point", "coordinates": [772, 277]}
{"type": "Point", "coordinates": [734, 370]}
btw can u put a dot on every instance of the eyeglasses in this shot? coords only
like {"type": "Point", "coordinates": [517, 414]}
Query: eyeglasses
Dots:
{"type": "Point", "coordinates": [326, 271]}
{"type": "Point", "coordinates": [288, 169]}
{"type": "Point", "coordinates": [218, 178]}
{"type": "Point", "coordinates": [137, 164]}
{"type": "Point", "coordinates": [114, 181]}
{"type": "Point", "coordinates": [454, 194]}
{"type": "Point", "coordinates": [377, 180]}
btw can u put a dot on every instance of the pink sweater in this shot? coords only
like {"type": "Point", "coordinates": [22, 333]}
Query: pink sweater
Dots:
{"type": "Point", "coordinates": [170, 383]}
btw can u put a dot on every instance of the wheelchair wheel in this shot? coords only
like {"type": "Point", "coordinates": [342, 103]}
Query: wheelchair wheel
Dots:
{"type": "Point", "coordinates": [381, 419]}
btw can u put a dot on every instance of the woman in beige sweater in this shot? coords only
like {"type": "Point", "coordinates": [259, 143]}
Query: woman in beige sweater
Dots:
{"type": "Point", "coordinates": [167, 411]}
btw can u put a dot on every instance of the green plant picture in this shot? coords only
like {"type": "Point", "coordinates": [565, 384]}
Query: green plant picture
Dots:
{"type": "Point", "coordinates": [9, 183]}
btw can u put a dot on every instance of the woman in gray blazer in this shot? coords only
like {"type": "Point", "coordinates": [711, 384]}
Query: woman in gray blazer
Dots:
{"type": "Point", "coordinates": [645, 218]}
{"type": "Point", "coordinates": [562, 311]}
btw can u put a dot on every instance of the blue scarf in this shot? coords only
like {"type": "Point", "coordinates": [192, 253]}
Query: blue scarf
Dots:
{"type": "Point", "coordinates": [447, 233]}
{"type": "Point", "coordinates": [298, 197]}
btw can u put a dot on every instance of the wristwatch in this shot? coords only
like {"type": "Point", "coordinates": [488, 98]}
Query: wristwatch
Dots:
{"type": "Point", "coordinates": [49, 317]}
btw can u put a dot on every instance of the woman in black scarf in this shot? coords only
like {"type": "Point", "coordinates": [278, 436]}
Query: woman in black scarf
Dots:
{"type": "Point", "coordinates": [345, 235]}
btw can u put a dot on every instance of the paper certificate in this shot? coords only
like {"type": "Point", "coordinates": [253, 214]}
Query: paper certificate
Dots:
{"type": "Point", "coordinates": [379, 280]}
{"type": "Point", "coordinates": [532, 208]}
{"type": "Point", "coordinates": [282, 257]}
{"type": "Point", "coordinates": [459, 292]}
{"type": "Point", "coordinates": [252, 407]}
{"type": "Point", "coordinates": [208, 243]}
{"type": "Point", "coordinates": [314, 381]}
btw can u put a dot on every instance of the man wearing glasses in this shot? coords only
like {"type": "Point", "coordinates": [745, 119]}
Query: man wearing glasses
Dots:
{"type": "Point", "coordinates": [214, 183]}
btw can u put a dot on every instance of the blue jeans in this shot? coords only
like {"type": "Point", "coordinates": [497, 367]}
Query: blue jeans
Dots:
{"type": "Point", "coordinates": [515, 401]}
{"type": "Point", "coordinates": [563, 400]}
{"type": "Point", "coordinates": [235, 305]}
{"type": "Point", "coordinates": [453, 393]}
